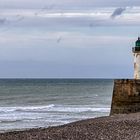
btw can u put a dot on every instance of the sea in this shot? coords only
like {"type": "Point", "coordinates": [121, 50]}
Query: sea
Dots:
{"type": "Point", "coordinates": [35, 103]}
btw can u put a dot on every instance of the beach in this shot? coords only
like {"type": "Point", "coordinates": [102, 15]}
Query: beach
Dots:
{"type": "Point", "coordinates": [117, 127]}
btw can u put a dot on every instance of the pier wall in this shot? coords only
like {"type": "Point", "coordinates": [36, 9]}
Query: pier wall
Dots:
{"type": "Point", "coordinates": [126, 96]}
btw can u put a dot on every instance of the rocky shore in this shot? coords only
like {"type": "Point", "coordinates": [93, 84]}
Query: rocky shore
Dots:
{"type": "Point", "coordinates": [118, 127]}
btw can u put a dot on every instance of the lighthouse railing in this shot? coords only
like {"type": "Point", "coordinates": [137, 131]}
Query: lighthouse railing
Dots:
{"type": "Point", "coordinates": [136, 49]}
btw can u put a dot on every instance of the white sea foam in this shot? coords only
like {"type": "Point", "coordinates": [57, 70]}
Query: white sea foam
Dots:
{"type": "Point", "coordinates": [78, 109]}
{"type": "Point", "coordinates": [25, 108]}
{"type": "Point", "coordinates": [55, 108]}
{"type": "Point", "coordinates": [44, 116]}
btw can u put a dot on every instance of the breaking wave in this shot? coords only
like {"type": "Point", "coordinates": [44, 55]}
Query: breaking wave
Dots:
{"type": "Point", "coordinates": [55, 108]}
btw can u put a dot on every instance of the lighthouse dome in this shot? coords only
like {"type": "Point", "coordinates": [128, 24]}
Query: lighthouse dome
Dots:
{"type": "Point", "coordinates": [138, 42]}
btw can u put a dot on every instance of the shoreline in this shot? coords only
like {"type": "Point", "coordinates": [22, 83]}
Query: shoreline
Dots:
{"type": "Point", "coordinates": [124, 126]}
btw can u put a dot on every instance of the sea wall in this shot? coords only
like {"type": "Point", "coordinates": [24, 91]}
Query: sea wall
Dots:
{"type": "Point", "coordinates": [126, 96]}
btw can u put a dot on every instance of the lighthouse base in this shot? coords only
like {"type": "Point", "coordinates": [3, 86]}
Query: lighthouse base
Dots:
{"type": "Point", "coordinates": [126, 97]}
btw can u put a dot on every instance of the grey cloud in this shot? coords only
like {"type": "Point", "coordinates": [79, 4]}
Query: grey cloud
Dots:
{"type": "Point", "coordinates": [63, 23]}
{"type": "Point", "coordinates": [59, 39]}
{"type": "Point", "coordinates": [19, 17]}
{"type": "Point", "coordinates": [7, 19]}
{"type": "Point", "coordinates": [117, 12]}
{"type": "Point", "coordinates": [2, 21]}
{"type": "Point", "coordinates": [67, 4]}
{"type": "Point", "coordinates": [28, 19]}
{"type": "Point", "coordinates": [45, 9]}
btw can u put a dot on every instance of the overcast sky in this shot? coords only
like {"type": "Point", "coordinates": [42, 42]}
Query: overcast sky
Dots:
{"type": "Point", "coordinates": [68, 38]}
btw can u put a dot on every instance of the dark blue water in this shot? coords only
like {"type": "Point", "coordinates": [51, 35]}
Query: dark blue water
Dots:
{"type": "Point", "coordinates": [30, 103]}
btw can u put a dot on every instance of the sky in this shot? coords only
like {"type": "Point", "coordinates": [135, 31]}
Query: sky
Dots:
{"type": "Point", "coordinates": [68, 38]}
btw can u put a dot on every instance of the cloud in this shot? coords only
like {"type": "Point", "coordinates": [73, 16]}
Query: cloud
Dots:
{"type": "Point", "coordinates": [2, 20]}
{"type": "Point", "coordinates": [67, 4]}
{"type": "Point", "coordinates": [61, 39]}
{"type": "Point", "coordinates": [28, 19]}
{"type": "Point", "coordinates": [117, 12]}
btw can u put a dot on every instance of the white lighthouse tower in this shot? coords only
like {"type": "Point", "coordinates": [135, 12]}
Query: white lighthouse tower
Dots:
{"type": "Point", "coordinates": [136, 52]}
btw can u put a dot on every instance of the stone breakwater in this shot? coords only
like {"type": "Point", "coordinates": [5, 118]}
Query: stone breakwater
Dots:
{"type": "Point", "coordinates": [126, 96]}
{"type": "Point", "coordinates": [118, 127]}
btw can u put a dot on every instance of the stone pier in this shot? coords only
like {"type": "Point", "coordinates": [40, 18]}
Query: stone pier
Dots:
{"type": "Point", "coordinates": [126, 96]}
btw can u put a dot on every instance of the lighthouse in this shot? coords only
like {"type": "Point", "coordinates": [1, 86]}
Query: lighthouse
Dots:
{"type": "Point", "coordinates": [136, 52]}
{"type": "Point", "coordinates": [126, 92]}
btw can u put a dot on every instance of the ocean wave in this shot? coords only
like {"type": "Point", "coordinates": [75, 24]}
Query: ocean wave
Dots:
{"type": "Point", "coordinates": [55, 108]}
{"type": "Point", "coordinates": [79, 109]}
{"type": "Point", "coordinates": [25, 108]}
{"type": "Point", "coordinates": [10, 121]}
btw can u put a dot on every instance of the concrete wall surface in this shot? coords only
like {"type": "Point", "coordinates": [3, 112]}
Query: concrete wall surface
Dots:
{"type": "Point", "coordinates": [126, 96]}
